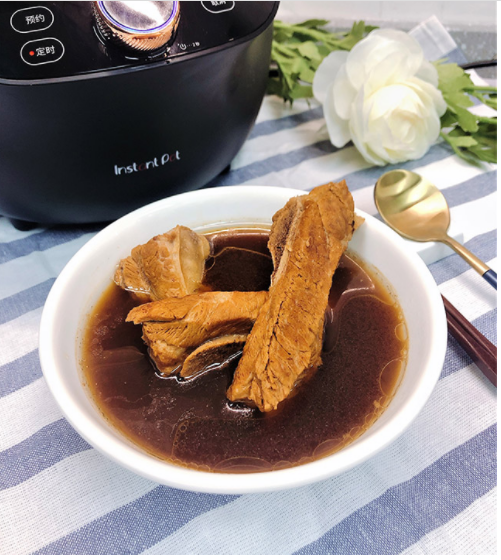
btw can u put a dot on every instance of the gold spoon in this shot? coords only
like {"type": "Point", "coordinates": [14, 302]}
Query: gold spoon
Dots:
{"type": "Point", "coordinates": [416, 209]}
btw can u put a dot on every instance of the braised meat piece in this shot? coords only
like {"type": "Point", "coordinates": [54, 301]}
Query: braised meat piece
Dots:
{"type": "Point", "coordinates": [130, 277]}
{"type": "Point", "coordinates": [168, 265]}
{"type": "Point", "coordinates": [307, 239]}
{"type": "Point", "coordinates": [174, 327]}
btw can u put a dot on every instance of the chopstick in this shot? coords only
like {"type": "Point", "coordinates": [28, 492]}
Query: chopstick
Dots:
{"type": "Point", "coordinates": [481, 350]}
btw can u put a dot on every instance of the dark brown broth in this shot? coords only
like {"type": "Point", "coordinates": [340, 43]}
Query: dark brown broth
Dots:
{"type": "Point", "coordinates": [192, 423]}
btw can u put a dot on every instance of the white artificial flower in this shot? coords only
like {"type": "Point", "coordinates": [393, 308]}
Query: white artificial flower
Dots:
{"type": "Point", "coordinates": [383, 96]}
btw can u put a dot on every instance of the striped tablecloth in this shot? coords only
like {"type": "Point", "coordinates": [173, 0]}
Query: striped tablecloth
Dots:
{"type": "Point", "coordinates": [432, 491]}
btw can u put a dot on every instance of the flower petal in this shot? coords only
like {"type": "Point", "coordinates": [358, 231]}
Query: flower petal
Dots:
{"type": "Point", "coordinates": [390, 70]}
{"type": "Point", "coordinates": [339, 131]}
{"type": "Point", "coordinates": [358, 129]}
{"type": "Point", "coordinates": [434, 93]}
{"type": "Point", "coordinates": [411, 45]}
{"type": "Point", "coordinates": [326, 73]}
{"type": "Point", "coordinates": [358, 64]}
{"type": "Point", "coordinates": [367, 55]}
{"type": "Point", "coordinates": [344, 94]}
{"type": "Point", "coordinates": [402, 123]}
{"type": "Point", "coordinates": [428, 73]}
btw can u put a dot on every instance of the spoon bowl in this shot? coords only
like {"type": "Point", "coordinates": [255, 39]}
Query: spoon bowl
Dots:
{"type": "Point", "coordinates": [417, 210]}
{"type": "Point", "coordinates": [413, 206]}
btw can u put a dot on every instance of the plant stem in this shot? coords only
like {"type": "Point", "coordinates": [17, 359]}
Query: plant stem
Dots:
{"type": "Point", "coordinates": [457, 151]}
{"type": "Point", "coordinates": [305, 30]}
{"type": "Point", "coordinates": [492, 89]}
{"type": "Point", "coordinates": [444, 136]}
{"type": "Point", "coordinates": [316, 34]}
{"type": "Point", "coordinates": [488, 120]}
{"type": "Point", "coordinates": [284, 49]}
{"type": "Point", "coordinates": [488, 102]}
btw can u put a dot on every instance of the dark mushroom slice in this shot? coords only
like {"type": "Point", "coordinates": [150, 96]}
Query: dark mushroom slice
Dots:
{"type": "Point", "coordinates": [213, 354]}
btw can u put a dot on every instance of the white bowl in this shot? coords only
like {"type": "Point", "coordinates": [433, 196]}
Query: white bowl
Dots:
{"type": "Point", "coordinates": [89, 272]}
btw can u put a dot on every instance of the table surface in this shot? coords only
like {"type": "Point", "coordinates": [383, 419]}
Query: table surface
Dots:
{"type": "Point", "coordinates": [433, 491]}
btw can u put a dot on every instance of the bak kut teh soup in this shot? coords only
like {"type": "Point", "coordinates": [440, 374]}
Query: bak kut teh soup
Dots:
{"type": "Point", "coordinates": [145, 392]}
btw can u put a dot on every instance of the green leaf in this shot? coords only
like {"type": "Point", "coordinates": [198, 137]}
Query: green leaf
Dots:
{"type": "Point", "coordinates": [313, 23]}
{"type": "Point", "coordinates": [358, 29]}
{"type": "Point", "coordinates": [451, 78]}
{"type": "Point", "coordinates": [307, 75]}
{"type": "Point", "coordinates": [458, 99]}
{"type": "Point", "coordinates": [449, 71]}
{"type": "Point", "coordinates": [472, 138]}
{"type": "Point", "coordinates": [300, 91]}
{"type": "Point", "coordinates": [323, 50]}
{"type": "Point", "coordinates": [473, 147]}
{"type": "Point", "coordinates": [309, 50]}
{"type": "Point", "coordinates": [355, 35]}
{"type": "Point", "coordinates": [485, 153]}
{"type": "Point", "coordinates": [448, 119]}
{"type": "Point", "coordinates": [486, 142]}
{"type": "Point", "coordinates": [462, 141]}
{"type": "Point", "coordinates": [488, 130]}
{"type": "Point", "coordinates": [274, 87]}
{"type": "Point", "coordinates": [282, 35]}
{"type": "Point", "coordinates": [466, 120]}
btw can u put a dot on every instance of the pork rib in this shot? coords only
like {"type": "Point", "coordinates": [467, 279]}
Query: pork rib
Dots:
{"type": "Point", "coordinates": [307, 239]}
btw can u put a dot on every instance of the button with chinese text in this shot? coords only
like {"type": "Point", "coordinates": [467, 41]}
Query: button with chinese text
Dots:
{"type": "Point", "coordinates": [36, 18]}
{"type": "Point", "coordinates": [42, 51]}
{"type": "Point", "coordinates": [218, 7]}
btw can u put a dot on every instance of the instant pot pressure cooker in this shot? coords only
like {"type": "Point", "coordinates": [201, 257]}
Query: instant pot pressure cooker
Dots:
{"type": "Point", "coordinates": [106, 106]}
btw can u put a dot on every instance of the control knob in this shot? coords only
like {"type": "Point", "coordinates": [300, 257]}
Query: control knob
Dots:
{"type": "Point", "coordinates": [142, 26]}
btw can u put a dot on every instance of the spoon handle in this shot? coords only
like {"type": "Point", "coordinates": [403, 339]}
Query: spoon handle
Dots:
{"type": "Point", "coordinates": [478, 265]}
{"type": "Point", "coordinates": [491, 277]}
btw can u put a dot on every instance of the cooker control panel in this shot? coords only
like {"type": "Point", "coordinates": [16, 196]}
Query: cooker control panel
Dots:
{"type": "Point", "coordinates": [46, 41]}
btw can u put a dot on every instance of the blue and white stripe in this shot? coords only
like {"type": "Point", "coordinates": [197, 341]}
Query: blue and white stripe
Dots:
{"type": "Point", "coordinates": [433, 491]}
